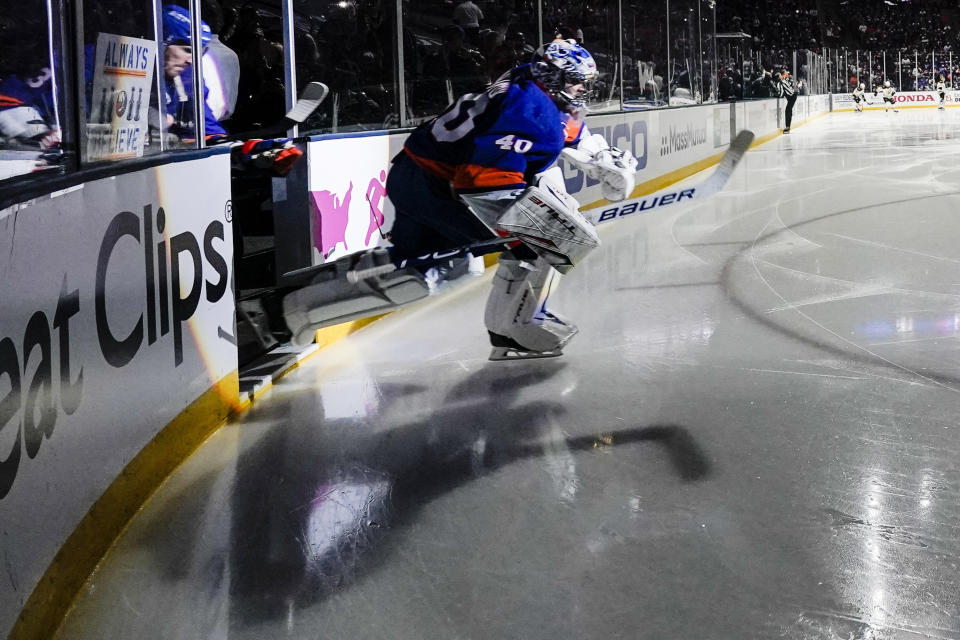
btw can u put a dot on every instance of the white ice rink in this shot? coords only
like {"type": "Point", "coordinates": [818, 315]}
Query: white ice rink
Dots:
{"type": "Point", "coordinates": [755, 435]}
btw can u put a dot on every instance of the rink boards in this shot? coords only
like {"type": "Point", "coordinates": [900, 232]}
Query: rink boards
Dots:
{"type": "Point", "coordinates": [346, 182]}
{"type": "Point", "coordinates": [904, 100]}
{"type": "Point", "coordinates": [117, 329]}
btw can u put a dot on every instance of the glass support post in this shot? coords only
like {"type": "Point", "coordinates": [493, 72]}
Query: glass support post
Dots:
{"type": "Point", "coordinates": [399, 68]}
{"type": "Point", "coordinates": [539, 23]}
{"type": "Point", "coordinates": [623, 67]}
{"type": "Point", "coordinates": [290, 56]}
{"type": "Point", "coordinates": [200, 122]}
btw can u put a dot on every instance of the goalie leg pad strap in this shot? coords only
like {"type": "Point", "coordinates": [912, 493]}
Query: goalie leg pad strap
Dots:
{"type": "Point", "coordinates": [517, 307]}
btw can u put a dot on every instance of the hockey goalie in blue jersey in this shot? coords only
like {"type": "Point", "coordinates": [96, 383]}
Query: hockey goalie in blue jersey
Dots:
{"type": "Point", "coordinates": [486, 168]}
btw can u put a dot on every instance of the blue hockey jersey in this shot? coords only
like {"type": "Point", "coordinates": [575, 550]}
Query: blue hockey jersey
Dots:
{"type": "Point", "coordinates": [495, 140]}
{"type": "Point", "coordinates": [35, 92]}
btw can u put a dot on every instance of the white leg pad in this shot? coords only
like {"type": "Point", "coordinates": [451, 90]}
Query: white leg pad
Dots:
{"type": "Point", "coordinates": [517, 306]}
{"type": "Point", "coordinates": [330, 299]}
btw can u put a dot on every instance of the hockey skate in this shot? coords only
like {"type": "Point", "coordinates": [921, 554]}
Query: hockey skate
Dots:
{"type": "Point", "coordinates": [504, 348]}
{"type": "Point", "coordinates": [331, 296]}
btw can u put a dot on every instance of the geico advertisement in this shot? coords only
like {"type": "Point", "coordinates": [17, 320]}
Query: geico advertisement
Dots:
{"type": "Point", "coordinates": [349, 208]}
{"type": "Point", "coordinates": [117, 314]}
{"type": "Point", "coordinates": [662, 141]}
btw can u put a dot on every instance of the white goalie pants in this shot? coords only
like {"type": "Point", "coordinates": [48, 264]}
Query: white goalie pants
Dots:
{"type": "Point", "coordinates": [517, 305]}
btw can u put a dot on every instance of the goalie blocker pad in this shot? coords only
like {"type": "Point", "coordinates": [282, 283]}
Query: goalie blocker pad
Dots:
{"type": "Point", "coordinates": [331, 299]}
{"type": "Point", "coordinates": [547, 220]}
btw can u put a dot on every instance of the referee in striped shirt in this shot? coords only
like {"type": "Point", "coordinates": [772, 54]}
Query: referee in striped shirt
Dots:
{"type": "Point", "coordinates": [788, 89]}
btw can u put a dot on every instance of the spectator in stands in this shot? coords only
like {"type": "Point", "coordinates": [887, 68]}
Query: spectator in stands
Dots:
{"type": "Point", "coordinates": [455, 65]}
{"type": "Point", "coordinates": [467, 16]}
{"type": "Point", "coordinates": [28, 116]}
{"type": "Point", "coordinates": [512, 52]}
{"type": "Point", "coordinates": [178, 78]}
{"type": "Point", "coordinates": [27, 113]}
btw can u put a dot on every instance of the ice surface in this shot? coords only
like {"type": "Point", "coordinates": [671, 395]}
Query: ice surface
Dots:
{"type": "Point", "coordinates": [755, 435]}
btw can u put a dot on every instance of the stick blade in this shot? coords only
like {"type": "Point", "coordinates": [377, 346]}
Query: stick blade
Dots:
{"type": "Point", "coordinates": [311, 97]}
{"type": "Point", "coordinates": [738, 146]}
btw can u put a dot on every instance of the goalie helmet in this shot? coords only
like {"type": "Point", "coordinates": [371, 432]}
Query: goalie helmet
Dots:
{"type": "Point", "coordinates": [562, 64]}
{"type": "Point", "coordinates": [886, 84]}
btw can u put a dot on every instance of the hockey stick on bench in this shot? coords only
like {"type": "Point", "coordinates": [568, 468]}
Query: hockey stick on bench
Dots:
{"type": "Point", "coordinates": [310, 98]}
{"type": "Point", "coordinates": [667, 197]}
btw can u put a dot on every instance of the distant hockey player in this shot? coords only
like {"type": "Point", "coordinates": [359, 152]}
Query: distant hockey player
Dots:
{"type": "Point", "coordinates": [859, 97]}
{"type": "Point", "coordinates": [942, 92]}
{"type": "Point", "coordinates": [480, 170]}
{"type": "Point", "coordinates": [889, 96]}
{"type": "Point", "coordinates": [788, 90]}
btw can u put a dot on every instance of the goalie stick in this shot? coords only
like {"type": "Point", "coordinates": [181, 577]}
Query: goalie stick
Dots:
{"type": "Point", "coordinates": [667, 197]}
{"type": "Point", "coordinates": [702, 191]}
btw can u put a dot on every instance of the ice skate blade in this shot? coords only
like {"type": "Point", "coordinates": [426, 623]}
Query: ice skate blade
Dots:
{"type": "Point", "coordinates": [502, 354]}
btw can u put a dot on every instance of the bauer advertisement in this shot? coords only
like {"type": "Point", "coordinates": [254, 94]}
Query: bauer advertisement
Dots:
{"type": "Point", "coordinates": [118, 313]}
{"type": "Point", "coordinates": [349, 208]}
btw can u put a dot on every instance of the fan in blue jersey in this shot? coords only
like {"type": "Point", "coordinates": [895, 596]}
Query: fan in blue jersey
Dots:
{"type": "Point", "coordinates": [28, 118]}
{"type": "Point", "coordinates": [178, 78]}
{"type": "Point", "coordinates": [27, 112]}
{"type": "Point", "coordinates": [485, 168]}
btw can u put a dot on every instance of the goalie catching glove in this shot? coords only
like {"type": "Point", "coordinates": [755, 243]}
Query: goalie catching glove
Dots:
{"type": "Point", "coordinates": [614, 168]}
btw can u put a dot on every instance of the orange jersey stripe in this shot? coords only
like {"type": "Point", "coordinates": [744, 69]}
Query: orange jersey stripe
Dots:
{"type": "Point", "coordinates": [572, 129]}
{"type": "Point", "coordinates": [470, 176]}
{"type": "Point", "coordinates": [117, 71]}
{"type": "Point", "coordinates": [439, 169]}
{"type": "Point", "coordinates": [9, 101]}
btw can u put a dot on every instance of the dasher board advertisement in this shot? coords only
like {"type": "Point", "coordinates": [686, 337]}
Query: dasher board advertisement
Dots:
{"type": "Point", "coordinates": [119, 104]}
{"type": "Point", "coordinates": [349, 208]}
{"type": "Point", "coordinates": [904, 99]}
{"type": "Point", "coordinates": [118, 313]}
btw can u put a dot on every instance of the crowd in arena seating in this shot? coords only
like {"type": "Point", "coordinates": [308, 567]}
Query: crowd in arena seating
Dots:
{"type": "Point", "coordinates": [907, 42]}
{"type": "Point", "coordinates": [781, 24]}
{"type": "Point", "coordinates": [851, 24]}
{"type": "Point", "coordinates": [452, 47]}
{"type": "Point", "coordinates": [875, 24]}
